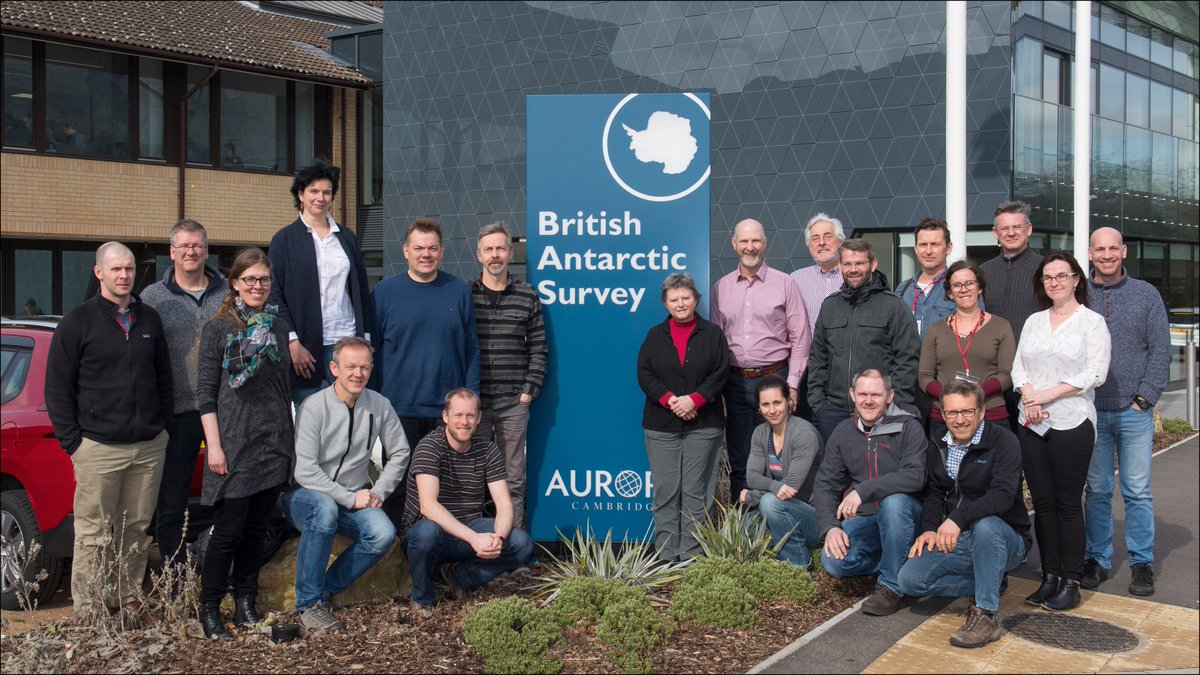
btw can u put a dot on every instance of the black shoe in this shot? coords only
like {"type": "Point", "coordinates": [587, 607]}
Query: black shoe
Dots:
{"type": "Point", "coordinates": [1066, 598]}
{"type": "Point", "coordinates": [210, 621]}
{"type": "Point", "coordinates": [1050, 586]}
{"type": "Point", "coordinates": [1094, 574]}
{"type": "Point", "coordinates": [1143, 579]}
{"type": "Point", "coordinates": [245, 611]}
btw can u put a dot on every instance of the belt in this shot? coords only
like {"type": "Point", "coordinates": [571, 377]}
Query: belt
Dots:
{"type": "Point", "coordinates": [760, 371]}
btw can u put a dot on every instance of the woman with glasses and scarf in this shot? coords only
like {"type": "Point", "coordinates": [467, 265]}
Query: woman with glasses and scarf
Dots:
{"type": "Point", "coordinates": [1061, 358]}
{"type": "Point", "coordinates": [244, 396]}
{"type": "Point", "coordinates": [970, 345]}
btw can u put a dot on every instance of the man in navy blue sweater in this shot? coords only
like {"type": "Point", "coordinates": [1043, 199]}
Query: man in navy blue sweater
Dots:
{"type": "Point", "coordinates": [1137, 375]}
{"type": "Point", "coordinates": [426, 342]}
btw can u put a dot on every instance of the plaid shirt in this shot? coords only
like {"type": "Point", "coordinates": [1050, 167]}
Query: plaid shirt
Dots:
{"type": "Point", "coordinates": [512, 343]}
{"type": "Point", "coordinates": [955, 453]}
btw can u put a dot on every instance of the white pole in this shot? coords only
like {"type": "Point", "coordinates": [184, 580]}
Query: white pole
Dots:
{"type": "Point", "coordinates": [1082, 143]}
{"type": "Point", "coordinates": [956, 126]}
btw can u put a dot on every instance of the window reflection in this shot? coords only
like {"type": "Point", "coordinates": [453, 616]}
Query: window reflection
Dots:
{"type": "Point", "coordinates": [18, 93]}
{"type": "Point", "coordinates": [87, 102]}
{"type": "Point", "coordinates": [254, 121]}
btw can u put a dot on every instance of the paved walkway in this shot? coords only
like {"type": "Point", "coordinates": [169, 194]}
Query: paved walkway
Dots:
{"type": "Point", "coordinates": [1167, 625]}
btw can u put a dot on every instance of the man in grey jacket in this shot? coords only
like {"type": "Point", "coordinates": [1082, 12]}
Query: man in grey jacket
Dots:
{"type": "Point", "coordinates": [188, 295]}
{"type": "Point", "coordinates": [867, 489]}
{"type": "Point", "coordinates": [336, 429]}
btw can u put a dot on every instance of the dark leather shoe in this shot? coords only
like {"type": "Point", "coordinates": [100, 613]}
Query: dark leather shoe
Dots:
{"type": "Point", "coordinates": [1066, 598]}
{"type": "Point", "coordinates": [1050, 587]}
{"type": "Point", "coordinates": [245, 611]}
{"type": "Point", "coordinates": [1094, 574]}
{"type": "Point", "coordinates": [210, 621]}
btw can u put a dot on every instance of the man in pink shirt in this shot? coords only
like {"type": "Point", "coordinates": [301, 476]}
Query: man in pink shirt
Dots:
{"type": "Point", "coordinates": [762, 315]}
{"type": "Point", "coordinates": [822, 279]}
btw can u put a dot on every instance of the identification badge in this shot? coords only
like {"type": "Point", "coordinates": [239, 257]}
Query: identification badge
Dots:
{"type": "Point", "coordinates": [967, 377]}
{"type": "Point", "coordinates": [919, 324]}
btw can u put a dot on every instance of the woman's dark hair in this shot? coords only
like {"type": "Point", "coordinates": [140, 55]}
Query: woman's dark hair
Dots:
{"type": "Point", "coordinates": [771, 382]}
{"type": "Point", "coordinates": [1039, 289]}
{"type": "Point", "coordinates": [959, 266]}
{"type": "Point", "coordinates": [318, 170]}
{"type": "Point", "coordinates": [246, 258]}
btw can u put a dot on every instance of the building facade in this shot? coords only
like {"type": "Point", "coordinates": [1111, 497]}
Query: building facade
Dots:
{"type": "Point", "coordinates": [121, 118]}
{"type": "Point", "coordinates": [817, 106]}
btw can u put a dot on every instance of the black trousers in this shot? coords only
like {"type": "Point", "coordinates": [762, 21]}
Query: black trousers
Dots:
{"type": "Point", "coordinates": [415, 428]}
{"type": "Point", "coordinates": [234, 556]}
{"type": "Point", "coordinates": [1056, 467]}
{"type": "Point", "coordinates": [182, 449]}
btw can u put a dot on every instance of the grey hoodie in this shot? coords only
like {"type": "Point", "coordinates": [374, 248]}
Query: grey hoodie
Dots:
{"type": "Point", "coordinates": [182, 317]}
{"type": "Point", "coordinates": [887, 459]}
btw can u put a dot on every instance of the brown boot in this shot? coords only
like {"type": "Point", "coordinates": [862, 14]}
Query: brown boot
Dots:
{"type": "Point", "coordinates": [979, 630]}
{"type": "Point", "coordinates": [883, 601]}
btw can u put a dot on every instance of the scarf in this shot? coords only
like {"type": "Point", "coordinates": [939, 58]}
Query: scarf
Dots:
{"type": "Point", "coordinates": [246, 349]}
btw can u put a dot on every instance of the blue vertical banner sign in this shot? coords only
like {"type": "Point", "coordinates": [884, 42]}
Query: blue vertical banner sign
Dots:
{"type": "Point", "coordinates": [617, 200]}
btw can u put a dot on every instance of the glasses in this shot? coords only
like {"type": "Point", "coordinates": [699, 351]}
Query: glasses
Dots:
{"type": "Point", "coordinates": [1010, 228]}
{"type": "Point", "coordinates": [256, 281]}
{"type": "Point", "coordinates": [955, 414]}
{"type": "Point", "coordinates": [190, 248]}
{"type": "Point", "coordinates": [1058, 278]}
{"type": "Point", "coordinates": [963, 285]}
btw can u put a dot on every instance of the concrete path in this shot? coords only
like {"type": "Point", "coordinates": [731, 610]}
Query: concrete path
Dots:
{"type": "Point", "coordinates": [1168, 637]}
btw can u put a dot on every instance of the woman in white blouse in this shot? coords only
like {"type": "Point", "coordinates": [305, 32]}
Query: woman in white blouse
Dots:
{"type": "Point", "coordinates": [1061, 358]}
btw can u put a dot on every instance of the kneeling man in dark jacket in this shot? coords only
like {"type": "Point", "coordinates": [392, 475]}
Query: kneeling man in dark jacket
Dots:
{"type": "Point", "coordinates": [974, 525]}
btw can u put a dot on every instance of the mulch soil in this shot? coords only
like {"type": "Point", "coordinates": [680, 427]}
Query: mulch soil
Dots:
{"type": "Point", "coordinates": [384, 638]}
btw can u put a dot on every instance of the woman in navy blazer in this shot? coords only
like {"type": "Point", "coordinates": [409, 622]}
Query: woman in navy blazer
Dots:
{"type": "Point", "coordinates": [320, 280]}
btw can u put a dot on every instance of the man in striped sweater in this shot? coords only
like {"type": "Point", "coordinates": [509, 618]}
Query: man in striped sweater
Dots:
{"type": "Point", "coordinates": [512, 350]}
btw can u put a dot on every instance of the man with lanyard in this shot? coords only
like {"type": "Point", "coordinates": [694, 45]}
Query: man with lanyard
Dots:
{"type": "Point", "coordinates": [762, 315]}
{"type": "Point", "coordinates": [925, 292]}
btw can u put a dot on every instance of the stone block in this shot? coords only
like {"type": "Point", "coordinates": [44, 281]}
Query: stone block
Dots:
{"type": "Point", "coordinates": [387, 580]}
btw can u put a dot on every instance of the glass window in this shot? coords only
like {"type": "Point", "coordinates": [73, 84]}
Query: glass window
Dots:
{"type": "Point", "coordinates": [1058, 12]}
{"type": "Point", "coordinates": [1162, 177]}
{"type": "Point", "coordinates": [1188, 183]}
{"type": "Point", "coordinates": [1112, 92]}
{"type": "Point", "coordinates": [1112, 27]}
{"type": "Point", "coordinates": [1160, 48]}
{"type": "Point", "coordinates": [1032, 8]}
{"type": "Point", "coordinates": [1110, 160]}
{"type": "Point", "coordinates": [370, 55]}
{"type": "Point", "coordinates": [305, 124]}
{"type": "Point", "coordinates": [198, 111]}
{"type": "Point", "coordinates": [18, 93]}
{"type": "Point", "coordinates": [150, 108]}
{"type": "Point", "coordinates": [87, 101]}
{"type": "Point", "coordinates": [1181, 115]}
{"type": "Point", "coordinates": [1160, 107]}
{"type": "Point", "coordinates": [33, 272]}
{"type": "Point", "coordinates": [1137, 100]}
{"type": "Point", "coordinates": [1095, 89]}
{"type": "Point", "coordinates": [344, 48]}
{"type": "Point", "coordinates": [1029, 68]}
{"type": "Point", "coordinates": [1137, 38]}
{"type": "Point", "coordinates": [76, 277]}
{"type": "Point", "coordinates": [254, 119]}
{"type": "Point", "coordinates": [1137, 159]}
{"type": "Point", "coordinates": [1095, 21]}
{"type": "Point", "coordinates": [1183, 57]}
{"type": "Point", "coordinates": [1056, 78]}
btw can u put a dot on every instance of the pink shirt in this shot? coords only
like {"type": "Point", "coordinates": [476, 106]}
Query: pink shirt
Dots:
{"type": "Point", "coordinates": [815, 285]}
{"type": "Point", "coordinates": [763, 319]}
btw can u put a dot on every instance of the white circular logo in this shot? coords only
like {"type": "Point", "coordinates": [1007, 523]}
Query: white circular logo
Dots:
{"type": "Point", "coordinates": [673, 150]}
{"type": "Point", "coordinates": [628, 484]}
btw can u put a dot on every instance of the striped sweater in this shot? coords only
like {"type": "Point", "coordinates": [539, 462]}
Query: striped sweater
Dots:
{"type": "Point", "coordinates": [512, 343]}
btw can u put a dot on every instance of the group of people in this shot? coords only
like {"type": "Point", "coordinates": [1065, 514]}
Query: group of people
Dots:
{"type": "Point", "coordinates": [893, 429]}
{"type": "Point", "coordinates": [411, 404]}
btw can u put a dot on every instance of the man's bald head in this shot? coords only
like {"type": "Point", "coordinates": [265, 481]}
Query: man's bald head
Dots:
{"type": "Point", "coordinates": [1107, 236]}
{"type": "Point", "coordinates": [749, 227]}
{"type": "Point", "coordinates": [116, 269]}
{"type": "Point", "coordinates": [749, 243]}
{"type": "Point", "coordinates": [112, 248]}
{"type": "Point", "coordinates": [1107, 251]}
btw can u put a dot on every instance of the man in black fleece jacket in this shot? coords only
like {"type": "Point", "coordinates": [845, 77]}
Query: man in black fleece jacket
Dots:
{"type": "Point", "coordinates": [866, 492]}
{"type": "Point", "coordinates": [974, 525]}
{"type": "Point", "coordinates": [110, 399]}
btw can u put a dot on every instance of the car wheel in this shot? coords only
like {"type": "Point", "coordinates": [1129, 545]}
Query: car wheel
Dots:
{"type": "Point", "coordinates": [18, 532]}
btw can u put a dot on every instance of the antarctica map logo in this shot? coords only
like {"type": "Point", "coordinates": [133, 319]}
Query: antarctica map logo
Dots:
{"type": "Point", "coordinates": [657, 147]}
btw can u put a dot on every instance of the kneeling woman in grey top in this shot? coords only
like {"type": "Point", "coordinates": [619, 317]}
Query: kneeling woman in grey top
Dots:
{"type": "Point", "coordinates": [245, 407]}
{"type": "Point", "coordinates": [785, 452]}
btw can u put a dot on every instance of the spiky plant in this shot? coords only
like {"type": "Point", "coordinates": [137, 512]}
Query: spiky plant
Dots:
{"type": "Point", "coordinates": [734, 534]}
{"type": "Point", "coordinates": [586, 556]}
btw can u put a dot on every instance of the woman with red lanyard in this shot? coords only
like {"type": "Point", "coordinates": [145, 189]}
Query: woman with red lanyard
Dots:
{"type": "Point", "coordinates": [970, 345]}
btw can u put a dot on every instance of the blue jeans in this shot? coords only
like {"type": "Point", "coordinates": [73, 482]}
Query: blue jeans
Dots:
{"type": "Point", "coordinates": [428, 546]}
{"type": "Point", "coordinates": [878, 543]}
{"type": "Point", "coordinates": [741, 412]}
{"type": "Point", "coordinates": [793, 517]}
{"type": "Point", "coordinates": [319, 518]}
{"type": "Point", "coordinates": [323, 359]}
{"type": "Point", "coordinates": [827, 418]}
{"type": "Point", "coordinates": [976, 566]}
{"type": "Point", "coordinates": [1132, 433]}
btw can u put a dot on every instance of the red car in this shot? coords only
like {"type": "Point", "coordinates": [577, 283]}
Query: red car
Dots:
{"type": "Point", "coordinates": [37, 478]}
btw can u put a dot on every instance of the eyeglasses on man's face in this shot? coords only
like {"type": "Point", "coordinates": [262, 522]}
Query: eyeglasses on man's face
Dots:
{"type": "Point", "coordinates": [190, 248]}
{"type": "Point", "coordinates": [955, 414]}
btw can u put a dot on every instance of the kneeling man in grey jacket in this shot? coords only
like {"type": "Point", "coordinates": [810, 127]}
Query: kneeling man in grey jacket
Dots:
{"type": "Point", "coordinates": [336, 429]}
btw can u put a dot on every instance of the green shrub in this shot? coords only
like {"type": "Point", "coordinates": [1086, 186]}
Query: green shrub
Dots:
{"type": "Point", "coordinates": [818, 568]}
{"type": "Point", "coordinates": [514, 637]}
{"type": "Point", "coordinates": [585, 598]}
{"type": "Point", "coordinates": [634, 630]}
{"type": "Point", "coordinates": [777, 580]}
{"type": "Point", "coordinates": [719, 602]}
{"type": "Point", "coordinates": [636, 565]}
{"type": "Point", "coordinates": [1174, 425]}
{"type": "Point", "coordinates": [734, 534]}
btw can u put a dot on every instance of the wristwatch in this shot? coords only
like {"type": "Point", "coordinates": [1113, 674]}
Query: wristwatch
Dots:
{"type": "Point", "coordinates": [1141, 402]}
